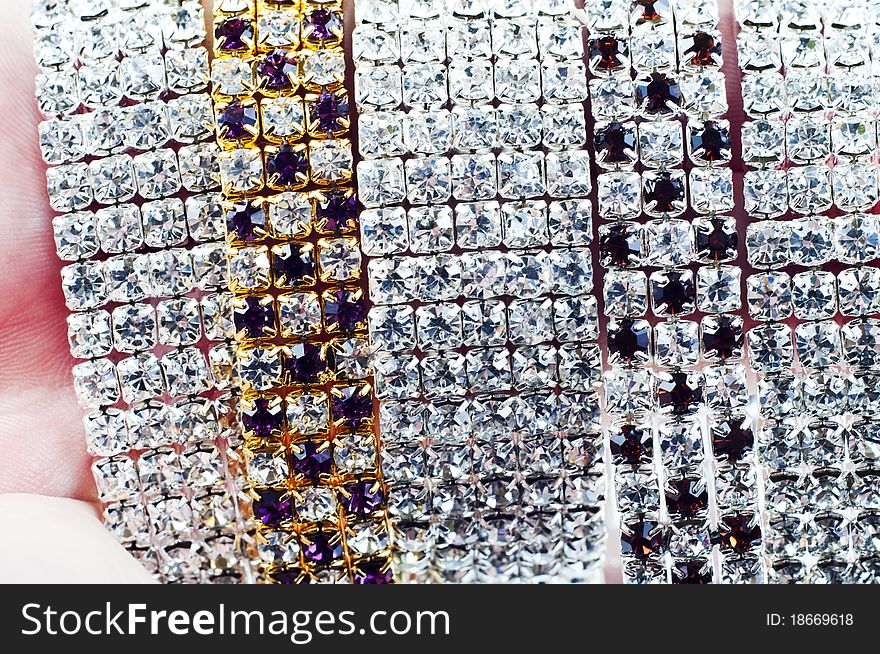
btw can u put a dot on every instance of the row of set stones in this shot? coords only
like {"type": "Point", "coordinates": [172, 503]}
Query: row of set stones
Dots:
{"type": "Point", "coordinates": [133, 176]}
{"type": "Point", "coordinates": [477, 231]}
{"type": "Point", "coordinates": [299, 313]}
{"type": "Point", "coordinates": [677, 441]}
{"type": "Point", "coordinates": [810, 91]}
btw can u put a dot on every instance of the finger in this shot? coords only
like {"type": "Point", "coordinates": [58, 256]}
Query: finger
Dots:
{"type": "Point", "coordinates": [62, 541]}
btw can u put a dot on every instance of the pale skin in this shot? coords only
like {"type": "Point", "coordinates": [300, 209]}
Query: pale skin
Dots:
{"type": "Point", "coordinates": [48, 507]}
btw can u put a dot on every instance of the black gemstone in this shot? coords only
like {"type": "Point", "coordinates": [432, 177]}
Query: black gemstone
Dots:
{"type": "Point", "coordinates": [307, 363]}
{"type": "Point", "coordinates": [739, 533]}
{"type": "Point", "coordinates": [722, 337]}
{"type": "Point", "coordinates": [294, 266]}
{"type": "Point", "coordinates": [732, 439]}
{"type": "Point", "coordinates": [691, 572]}
{"type": "Point", "coordinates": [711, 142]}
{"type": "Point", "coordinates": [687, 497]}
{"type": "Point", "coordinates": [664, 193]}
{"type": "Point", "coordinates": [717, 240]}
{"type": "Point", "coordinates": [641, 539]}
{"type": "Point", "coordinates": [631, 445]}
{"type": "Point", "coordinates": [704, 50]}
{"type": "Point", "coordinates": [679, 393]}
{"type": "Point", "coordinates": [673, 293]}
{"type": "Point", "coordinates": [629, 340]}
{"type": "Point", "coordinates": [658, 94]}
{"type": "Point", "coordinates": [620, 245]}
{"type": "Point", "coordinates": [607, 53]}
{"type": "Point", "coordinates": [254, 318]}
{"type": "Point", "coordinates": [615, 144]}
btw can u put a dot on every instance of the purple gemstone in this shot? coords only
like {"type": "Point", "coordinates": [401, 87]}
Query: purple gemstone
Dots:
{"type": "Point", "coordinates": [372, 573]}
{"type": "Point", "coordinates": [236, 118]}
{"type": "Point", "coordinates": [306, 363]}
{"type": "Point", "coordinates": [290, 576]}
{"type": "Point", "coordinates": [321, 550]}
{"type": "Point", "coordinates": [287, 166]}
{"type": "Point", "coordinates": [293, 266]}
{"type": "Point", "coordinates": [277, 69]}
{"type": "Point", "coordinates": [327, 110]}
{"type": "Point", "coordinates": [254, 318]}
{"type": "Point", "coordinates": [262, 419]}
{"type": "Point", "coordinates": [233, 33]}
{"type": "Point", "coordinates": [310, 460]}
{"type": "Point", "coordinates": [345, 310]}
{"type": "Point", "coordinates": [321, 22]}
{"type": "Point", "coordinates": [351, 406]}
{"type": "Point", "coordinates": [338, 212]}
{"type": "Point", "coordinates": [364, 497]}
{"type": "Point", "coordinates": [244, 219]}
{"type": "Point", "coordinates": [271, 509]}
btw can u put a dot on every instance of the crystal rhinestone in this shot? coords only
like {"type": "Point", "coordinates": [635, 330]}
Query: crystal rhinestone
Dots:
{"type": "Point", "coordinates": [631, 444]}
{"type": "Point", "coordinates": [612, 97]}
{"type": "Point", "coordinates": [813, 294]}
{"type": "Point", "coordinates": [768, 244]}
{"type": "Point", "coordinates": [629, 341]}
{"type": "Point", "coordinates": [770, 347]}
{"type": "Point", "coordinates": [676, 343]}
{"type": "Point", "coordinates": [763, 143]}
{"type": "Point", "coordinates": [653, 49]}
{"type": "Point", "coordinates": [627, 391]}
{"type": "Point", "coordinates": [818, 344]}
{"type": "Point", "coordinates": [769, 296]}
{"type": "Point", "coordinates": [619, 195]}
{"type": "Point", "coordinates": [660, 143]}
{"type": "Point", "coordinates": [657, 94]}
{"type": "Point", "coordinates": [626, 293]}
{"type": "Point", "coordinates": [718, 289]}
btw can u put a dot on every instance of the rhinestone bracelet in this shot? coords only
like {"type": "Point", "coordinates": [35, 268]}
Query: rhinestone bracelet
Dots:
{"type": "Point", "coordinates": [659, 379]}
{"type": "Point", "coordinates": [812, 144]}
{"type": "Point", "coordinates": [127, 137]}
{"type": "Point", "coordinates": [477, 234]}
{"type": "Point", "coordinates": [299, 313]}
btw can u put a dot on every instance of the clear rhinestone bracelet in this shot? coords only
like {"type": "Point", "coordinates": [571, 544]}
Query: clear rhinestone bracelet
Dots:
{"type": "Point", "coordinates": [133, 173]}
{"type": "Point", "coordinates": [475, 176]}
{"type": "Point", "coordinates": [810, 91]}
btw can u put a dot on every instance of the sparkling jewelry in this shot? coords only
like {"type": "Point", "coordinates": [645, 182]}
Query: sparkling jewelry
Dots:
{"type": "Point", "coordinates": [475, 176]}
{"type": "Point", "coordinates": [134, 178]}
{"type": "Point", "coordinates": [299, 313]}
{"type": "Point", "coordinates": [671, 384]}
{"type": "Point", "coordinates": [811, 145]}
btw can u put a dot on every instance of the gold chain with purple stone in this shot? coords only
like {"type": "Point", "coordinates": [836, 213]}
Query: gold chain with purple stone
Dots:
{"type": "Point", "coordinates": [294, 267]}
